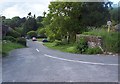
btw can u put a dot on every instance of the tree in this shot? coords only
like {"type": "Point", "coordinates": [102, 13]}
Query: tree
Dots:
{"type": "Point", "coordinates": [44, 13]}
{"type": "Point", "coordinates": [39, 21]}
{"type": "Point", "coordinates": [32, 34]}
{"type": "Point", "coordinates": [94, 14]}
{"type": "Point", "coordinates": [3, 17]}
{"type": "Point", "coordinates": [14, 22]}
{"type": "Point", "coordinates": [67, 19]}
{"type": "Point", "coordinates": [30, 24]}
{"type": "Point", "coordinates": [115, 14]}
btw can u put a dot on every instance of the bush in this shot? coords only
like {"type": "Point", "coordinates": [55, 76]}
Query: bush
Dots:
{"type": "Point", "coordinates": [51, 38]}
{"type": "Point", "coordinates": [10, 38]}
{"type": "Point", "coordinates": [13, 33]}
{"type": "Point", "coordinates": [32, 34]}
{"type": "Point", "coordinates": [96, 50]}
{"type": "Point", "coordinates": [82, 45]}
{"type": "Point", "coordinates": [41, 31]}
{"type": "Point", "coordinates": [72, 49]}
{"type": "Point", "coordinates": [64, 41]}
{"type": "Point", "coordinates": [57, 43]}
{"type": "Point", "coordinates": [21, 41]}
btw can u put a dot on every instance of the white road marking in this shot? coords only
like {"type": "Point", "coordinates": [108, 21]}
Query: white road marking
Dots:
{"type": "Point", "coordinates": [79, 61]}
{"type": "Point", "coordinates": [37, 50]}
{"type": "Point", "coordinates": [13, 81]}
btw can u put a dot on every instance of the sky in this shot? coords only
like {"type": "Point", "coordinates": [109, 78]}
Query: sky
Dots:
{"type": "Point", "coordinates": [21, 8]}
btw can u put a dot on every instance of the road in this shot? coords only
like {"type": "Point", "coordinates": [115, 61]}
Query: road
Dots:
{"type": "Point", "coordinates": [38, 63]}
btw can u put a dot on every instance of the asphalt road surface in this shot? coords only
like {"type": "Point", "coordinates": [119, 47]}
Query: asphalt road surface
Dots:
{"type": "Point", "coordinates": [38, 63]}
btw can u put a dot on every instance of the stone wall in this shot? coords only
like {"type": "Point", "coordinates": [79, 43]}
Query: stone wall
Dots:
{"type": "Point", "coordinates": [93, 41]}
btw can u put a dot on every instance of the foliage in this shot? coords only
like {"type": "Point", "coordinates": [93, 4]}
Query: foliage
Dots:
{"type": "Point", "coordinates": [14, 22]}
{"type": "Point", "coordinates": [32, 34]}
{"type": "Point", "coordinates": [94, 14]}
{"type": "Point", "coordinates": [0, 49]}
{"type": "Point", "coordinates": [30, 24]}
{"type": "Point", "coordinates": [115, 14]}
{"type": "Point", "coordinates": [21, 41]}
{"type": "Point", "coordinates": [110, 40]}
{"type": "Point", "coordinates": [19, 30]}
{"type": "Point", "coordinates": [13, 33]}
{"type": "Point", "coordinates": [57, 43]}
{"type": "Point", "coordinates": [82, 45]}
{"type": "Point", "coordinates": [8, 46]}
{"type": "Point", "coordinates": [10, 38]}
{"type": "Point", "coordinates": [64, 41]}
{"type": "Point", "coordinates": [68, 19]}
{"type": "Point", "coordinates": [72, 49]}
{"type": "Point", "coordinates": [41, 33]}
{"type": "Point", "coordinates": [96, 50]}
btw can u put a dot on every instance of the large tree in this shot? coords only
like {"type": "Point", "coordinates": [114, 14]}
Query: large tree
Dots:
{"type": "Point", "coordinates": [30, 24]}
{"type": "Point", "coordinates": [115, 14]}
{"type": "Point", "coordinates": [69, 18]}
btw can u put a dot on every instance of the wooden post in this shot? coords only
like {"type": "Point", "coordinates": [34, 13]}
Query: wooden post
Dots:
{"type": "Point", "coordinates": [108, 28]}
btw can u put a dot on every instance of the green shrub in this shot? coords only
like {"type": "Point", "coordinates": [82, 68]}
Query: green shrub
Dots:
{"type": "Point", "coordinates": [32, 34]}
{"type": "Point", "coordinates": [41, 31]}
{"type": "Point", "coordinates": [21, 41]}
{"type": "Point", "coordinates": [82, 45]}
{"type": "Point", "coordinates": [64, 41]}
{"type": "Point", "coordinates": [13, 33]}
{"type": "Point", "coordinates": [57, 43]}
{"type": "Point", "coordinates": [10, 38]}
{"type": "Point", "coordinates": [51, 38]}
{"type": "Point", "coordinates": [96, 50]}
{"type": "Point", "coordinates": [72, 49]}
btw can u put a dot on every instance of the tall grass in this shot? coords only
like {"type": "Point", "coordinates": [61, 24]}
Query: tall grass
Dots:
{"type": "Point", "coordinates": [8, 46]}
{"type": "Point", "coordinates": [0, 47]}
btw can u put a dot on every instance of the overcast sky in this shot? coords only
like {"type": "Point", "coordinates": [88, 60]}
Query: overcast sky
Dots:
{"type": "Point", "coordinates": [11, 8]}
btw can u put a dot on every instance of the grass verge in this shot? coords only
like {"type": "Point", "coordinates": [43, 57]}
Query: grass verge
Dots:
{"type": "Point", "coordinates": [40, 39]}
{"type": "Point", "coordinates": [8, 46]}
{"type": "Point", "coordinates": [64, 48]}
{"type": "Point", "coordinates": [0, 48]}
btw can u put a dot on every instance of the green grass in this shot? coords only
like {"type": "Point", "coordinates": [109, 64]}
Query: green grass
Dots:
{"type": "Point", "coordinates": [0, 48]}
{"type": "Point", "coordinates": [8, 46]}
{"type": "Point", "coordinates": [40, 39]}
{"type": "Point", "coordinates": [64, 48]}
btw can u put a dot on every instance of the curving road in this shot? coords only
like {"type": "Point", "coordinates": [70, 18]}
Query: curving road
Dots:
{"type": "Point", "coordinates": [37, 63]}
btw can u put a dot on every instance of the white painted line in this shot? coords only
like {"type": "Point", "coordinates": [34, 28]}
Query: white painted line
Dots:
{"type": "Point", "coordinates": [37, 50]}
{"type": "Point", "coordinates": [79, 61]}
{"type": "Point", "coordinates": [13, 81]}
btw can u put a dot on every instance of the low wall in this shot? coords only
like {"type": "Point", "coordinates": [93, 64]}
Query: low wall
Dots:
{"type": "Point", "coordinates": [93, 41]}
